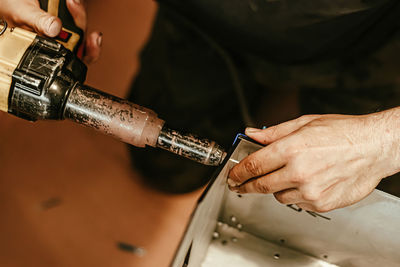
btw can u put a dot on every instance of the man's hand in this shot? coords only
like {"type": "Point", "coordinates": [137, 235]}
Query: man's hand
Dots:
{"type": "Point", "coordinates": [27, 14]}
{"type": "Point", "coordinates": [321, 162]}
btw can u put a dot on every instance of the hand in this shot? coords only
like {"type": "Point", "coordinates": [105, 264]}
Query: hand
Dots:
{"type": "Point", "coordinates": [27, 14]}
{"type": "Point", "coordinates": [321, 162]}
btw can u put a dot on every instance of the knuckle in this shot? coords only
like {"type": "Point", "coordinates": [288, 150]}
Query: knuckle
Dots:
{"type": "Point", "coordinates": [291, 152]}
{"type": "Point", "coordinates": [234, 174]}
{"type": "Point", "coordinates": [311, 195]}
{"type": "Point", "coordinates": [308, 117]}
{"type": "Point", "coordinates": [14, 17]}
{"type": "Point", "coordinates": [262, 187]}
{"type": "Point", "coordinates": [317, 123]}
{"type": "Point", "coordinates": [296, 180]}
{"type": "Point", "coordinates": [253, 167]}
{"type": "Point", "coordinates": [299, 177]}
{"type": "Point", "coordinates": [304, 118]}
{"type": "Point", "coordinates": [274, 148]}
{"type": "Point", "coordinates": [19, 20]}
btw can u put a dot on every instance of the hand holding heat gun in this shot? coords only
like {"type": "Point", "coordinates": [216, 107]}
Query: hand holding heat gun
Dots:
{"type": "Point", "coordinates": [40, 78]}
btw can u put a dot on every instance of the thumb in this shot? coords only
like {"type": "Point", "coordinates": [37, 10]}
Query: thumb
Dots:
{"type": "Point", "coordinates": [40, 21]}
{"type": "Point", "coordinates": [274, 133]}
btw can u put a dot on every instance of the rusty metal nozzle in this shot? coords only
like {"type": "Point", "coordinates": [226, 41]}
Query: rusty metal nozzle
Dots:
{"type": "Point", "coordinates": [136, 125]}
{"type": "Point", "coordinates": [114, 116]}
{"type": "Point", "coordinates": [204, 151]}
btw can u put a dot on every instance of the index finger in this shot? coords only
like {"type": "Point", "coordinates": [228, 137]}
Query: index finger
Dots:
{"type": "Point", "coordinates": [263, 161]}
{"type": "Point", "coordinates": [78, 12]}
{"type": "Point", "coordinates": [271, 183]}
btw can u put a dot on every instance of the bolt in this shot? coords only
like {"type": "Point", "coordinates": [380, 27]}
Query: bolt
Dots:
{"type": "Point", "coordinates": [215, 235]}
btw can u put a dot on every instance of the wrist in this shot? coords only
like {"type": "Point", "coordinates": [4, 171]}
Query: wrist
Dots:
{"type": "Point", "coordinates": [386, 130]}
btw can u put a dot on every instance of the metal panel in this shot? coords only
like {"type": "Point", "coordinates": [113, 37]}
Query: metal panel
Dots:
{"type": "Point", "coordinates": [365, 234]}
{"type": "Point", "coordinates": [235, 248]}
{"type": "Point", "coordinates": [198, 234]}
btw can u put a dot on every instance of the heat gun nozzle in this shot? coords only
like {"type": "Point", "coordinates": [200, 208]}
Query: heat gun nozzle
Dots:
{"type": "Point", "coordinates": [204, 151]}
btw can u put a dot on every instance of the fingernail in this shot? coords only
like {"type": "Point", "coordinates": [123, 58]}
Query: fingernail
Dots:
{"type": "Point", "coordinates": [54, 28]}
{"type": "Point", "coordinates": [252, 130]}
{"type": "Point", "coordinates": [234, 189]}
{"type": "Point", "coordinates": [232, 183]}
{"type": "Point", "coordinates": [100, 39]}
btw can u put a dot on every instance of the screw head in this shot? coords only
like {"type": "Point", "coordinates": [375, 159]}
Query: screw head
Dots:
{"type": "Point", "coordinates": [215, 235]}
